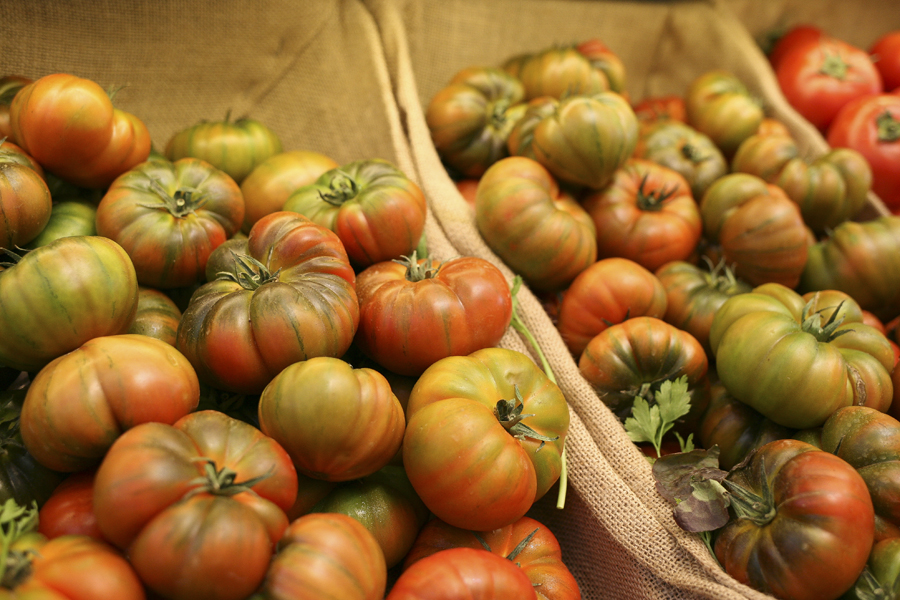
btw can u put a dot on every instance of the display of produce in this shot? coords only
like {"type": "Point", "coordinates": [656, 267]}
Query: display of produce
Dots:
{"type": "Point", "coordinates": [451, 315]}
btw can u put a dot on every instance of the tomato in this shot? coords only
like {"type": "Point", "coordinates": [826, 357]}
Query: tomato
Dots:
{"type": "Point", "coordinates": [695, 294]}
{"type": "Point", "coordinates": [157, 316]}
{"type": "Point", "coordinates": [735, 428]}
{"type": "Point", "coordinates": [608, 292]}
{"type": "Point", "coordinates": [719, 105]}
{"type": "Point", "coordinates": [70, 567]}
{"type": "Point", "coordinates": [818, 78]}
{"type": "Point", "coordinates": [169, 217]}
{"type": "Point", "coordinates": [9, 87]}
{"type": "Point", "coordinates": [386, 504]}
{"type": "Point", "coordinates": [882, 574]}
{"type": "Point", "coordinates": [605, 60]}
{"type": "Point", "coordinates": [583, 140]}
{"type": "Point", "coordinates": [373, 207]}
{"type": "Point", "coordinates": [25, 202]}
{"type": "Point", "coordinates": [470, 118]}
{"type": "Point", "coordinates": [235, 147]}
{"type": "Point", "coordinates": [463, 573]}
{"type": "Point", "coordinates": [761, 231]}
{"type": "Point", "coordinates": [88, 288]}
{"type": "Point", "coordinates": [771, 126]}
{"type": "Point", "coordinates": [184, 500]}
{"type": "Point", "coordinates": [861, 259]}
{"type": "Point", "coordinates": [413, 313]}
{"type": "Point", "coordinates": [661, 108]}
{"type": "Point", "coordinates": [680, 147]}
{"type": "Point", "coordinates": [484, 437]}
{"type": "Point", "coordinates": [337, 423]}
{"type": "Point", "coordinates": [67, 218]}
{"type": "Point", "coordinates": [22, 478]}
{"type": "Point", "coordinates": [561, 72]}
{"type": "Point", "coordinates": [797, 35]}
{"type": "Point", "coordinates": [763, 339]}
{"type": "Point", "coordinates": [870, 125]}
{"type": "Point", "coordinates": [467, 188]}
{"type": "Point", "coordinates": [268, 186]}
{"type": "Point", "coordinates": [326, 555]}
{"type": "Point", "coordinates": [78, 404]}
{"type": "Point", "coordinates": [290, 298]}
{"type": "Point", "coordinates": [70, 126]}
{"type": "Point", "coordinates": [527, 543]}
{"type": "Point", "coordinates": [809, 529]}
{"type": "Point", "coordinates": [885, 52]}
{"type": "Point", "coordinates": [539, 233]}
{"type": "Point", "coordinates": [70, 509]}
{"type": "Point", "coordinates": [635, 357]}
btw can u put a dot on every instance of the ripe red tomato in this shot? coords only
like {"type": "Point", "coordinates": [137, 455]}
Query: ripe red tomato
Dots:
{"type": "Point", "coordinates": [795, 36]}
{"type": "Point", "coordinates": [886, 54]}
{"type": "Point", "coordinates": [871, 126]}
{"type": "Point", "coordinates": [70, 508]}
{"type": "Point", "coordinates": [817, 79]}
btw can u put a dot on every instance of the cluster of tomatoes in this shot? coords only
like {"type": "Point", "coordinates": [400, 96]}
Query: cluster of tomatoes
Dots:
{"type": "Point", "coordinates": [686, 240]}
{"type": "Point", "coordinates": [230, 371]}
{"type": "Point", "coordinates": [850, 94]}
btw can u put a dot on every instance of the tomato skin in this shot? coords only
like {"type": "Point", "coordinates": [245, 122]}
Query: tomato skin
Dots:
{"type": "Point", "coordinates": [373, 207]}
{"type": "Point", "coordinates": [540, 559]}
{"type": "Point", "coordinates": [157, 316]}
{"type": "Point", "coordinates": [522, 217]}
{"type": "Point", "coordinates": [819, 77]}
{"type": "Point", "coordinates": [661, 108]}
{"type": "Point", "coordinates": [409, 320]}
{"type": "Point", "coordinates": [326, 555]}
{"type": "Point", "coordinates": [886, 55]}
{"type": "Point", "coordinates": [9, 87]}
{"type": "Point", "coordinates": [720, 106]}
{"type": "Point", "coordinates": [461, 573]}
{"type": "Point", "coordinates": [608, 292]}
{"type": "Point", "coordinates": [821, 529]}
{"type": "Point", "coordinates": [869, 125]}
{"type": "Point", "coordinates": [646, 214]}
{"type": "Point", "coordinates": [361, 432]}
{"type": "Point", "coordinates": [608, 62]}
{"type": "Point", "coordinates": [169, 217]}
{"type": "Point", "coordinates": [761, 338]}
{"type": "Point", "coordinates": [67, 218]}
{"type": "Point", "coordinates": [561, 72]}
{"type": "Point", "coordinates": [235, 147]}
{"type": "Point", "coordinates": [70, 509]}
{"type": "Point", "coordinates": [238, 335]}
{"type": "Point", "coordinates": [79, 403]}
{"type": "Point", "coordinates": [25, 204]}
{"type": "Point", "coordinates": [91, 286]}
{"type": "Point", "coordinates": [795, 36]}
{"type": "Point", "coordinates": [268, 186]}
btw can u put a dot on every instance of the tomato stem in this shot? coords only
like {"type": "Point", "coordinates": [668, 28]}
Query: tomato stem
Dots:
{"type": "Point", "coordinates": [418, 272]}
{"type": "Point", "coordinates": [249, 272]}
{"type": "Point", "coordinates": [222, 482]}
{"type": "Point", "coordinates": [342, 188]}
{"type": "Point", "coordinates": [835, 66]}
{"type": "Point", "coordinates": [812, 323]}
{"type": "Point", "coordinates": [747, 505]}
{"type": "Point", "coordinates": [653, 199]}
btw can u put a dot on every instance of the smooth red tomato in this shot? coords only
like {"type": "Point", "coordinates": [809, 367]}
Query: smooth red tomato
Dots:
{"type": "Point", "coordinates": [818, 78]}
{"type": "Point", "coordinates": [70, 509]}
{"type": "Point", "coordinates": [885, 53]}
{"type": "Point", "coordinates": [795, 36]}
{"type": "Point", "coordinates": [871, 126]}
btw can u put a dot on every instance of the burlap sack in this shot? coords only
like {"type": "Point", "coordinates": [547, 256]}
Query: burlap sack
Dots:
{"type": "Point", "coordinates": [619, 537]}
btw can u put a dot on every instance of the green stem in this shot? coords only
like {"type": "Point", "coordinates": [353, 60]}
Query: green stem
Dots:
{"type": "Point", "coordinates": [522, 329]}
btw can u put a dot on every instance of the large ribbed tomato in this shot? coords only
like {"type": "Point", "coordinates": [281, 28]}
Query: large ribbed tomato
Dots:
{"type": "Point", "coordinates": [484, 437]}
{"type": "Point", "coordinates": [413, 313]}
{"type": "Point", "coordinates": [169, 217]}
{"type": "Point", "coordinates": [560, 72]}
{"type": "Point", "coordinates": [719, 105]}
{"type": "Point", "coordinates": [198, 505]}
{"type": "Point", "coordinates": [289, 298]}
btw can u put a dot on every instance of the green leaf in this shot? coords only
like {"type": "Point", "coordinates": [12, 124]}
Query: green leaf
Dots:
{"type": "Point", "coordinates": [644, 422]}
{"type": "Point", "coordinates": [673, 399]}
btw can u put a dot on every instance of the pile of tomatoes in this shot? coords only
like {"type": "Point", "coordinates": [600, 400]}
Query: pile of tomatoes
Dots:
{"type": "Point", "coordinates": [232, 371]}
{"type": "Point", "coordinates": [684, 240]}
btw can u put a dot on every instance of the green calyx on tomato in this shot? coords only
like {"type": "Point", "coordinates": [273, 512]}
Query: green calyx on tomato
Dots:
{"type": "Point", "coordinates": [12, 258]}
{"type": "Point", "coordinates": [515, 551]}
{"type": "Point", "coordinates": [416, 271]}
{"type": "Point", "coordinates": [222, 482]}
{"type": "Point", "coordinates": [653, 200]}
{"type": "Point", "coordinates": [888, 127]}
{"type": "Point", "coordinates": [15, 522]}
{"type": "Point", "coordinates": [758, 508]}
{"type": "Point", "coordinates": [835, 66]}
{"type": "Point", "coordinates": [183, 202]}
{"type": "Point", "coordinates": [342, 188]}
{"type": "Point", "coordinates": [812, 323]}
{"type": "Point", "coordinates": [721, 277]}
{"type": "Point", "coordinates": [509, 414]}
{"type": "Point", "coordinates": [249, 273]}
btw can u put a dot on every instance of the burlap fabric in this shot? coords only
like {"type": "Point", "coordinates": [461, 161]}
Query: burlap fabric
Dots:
{"type": "Point", "coordinates": [349, 79]}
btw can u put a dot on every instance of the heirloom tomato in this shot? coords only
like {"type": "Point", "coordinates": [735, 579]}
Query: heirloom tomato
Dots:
{"type": "Point", "coordinates": [527, 543]}
{"type": "Point", "coordinates": [70, 508]}
{"type": "Point", "coordinates": [661, 108]}
{"type": "Point", "coordinates": [185, 500]}
{"type": "Point", "coordinates": [608, 292]}
{"type": "Point", "coordinates": [870, 125]}
{"type": "Point", "coordinates": [289, 298]}
{"type": "Point", "coordinates": [484, 437]}
{"type": "Point", "coordinates": [70, 126]}
{"type": "Point", "coordinates": [79, 403]}
{"type": "Point", "coordinates": [541, 234]}
{"type": "Point", "coordinates": [235, 147]}
{"type": "Point", "coordinates": [470, 119]}
{"type": "Point", "coordinates": [646, 214]}
{"type": "Point", "coordinates": [803, 526]}
{"type": "Point", "coordinates": [57, 297]}
{"type": "Point", "coordinates": [373, 207]}
{"type": "Point", "coordinates": [882, 574]}
{"type": "Point", "coordinates": [463, 573]}
{"type": "Point", "coordinates": [25, 202]}
{"type": "Point", "coordinates": [796, 359]}
{"type": "Point", "coordinates": [9, 87]}
{"type": "Point", "coordinates": [169, 216]}
{"type": "Point", "coordinates": [157, 316]}
{"type": "Point", "coordinates": [719, 105]}
{"type": "Point", "coordinates": [67, 218]}
{"type": "Point", "coordinates": [413, 313]}
{"type": "Point", "coordinates": [560, 72]}
{"type": "Point", "coordinates": [605, 60]}
{"type": "Point", "coordinates": [790, 39]}
{"type": "Point", "coordinates": [818, 78]}
{"type": "Point", "coordinates": [337, 423]}
{"type": "Point", "coordinates": [326, 556]}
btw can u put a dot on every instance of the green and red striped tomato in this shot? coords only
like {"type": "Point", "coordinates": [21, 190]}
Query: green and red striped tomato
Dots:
{"type": "Point", "coordinates": [719, 105]}
{"type": "Point", "coordinates": [157, 316]}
